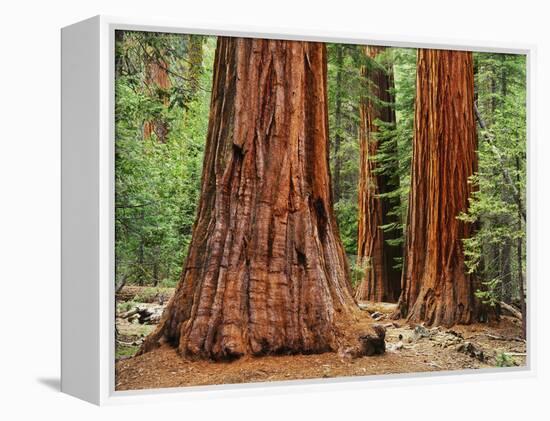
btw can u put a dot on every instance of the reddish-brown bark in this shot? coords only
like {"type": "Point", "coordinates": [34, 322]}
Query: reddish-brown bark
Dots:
{"type": "Point", "coordinates": [158, 83]}
{"type": "Point", "coordinates": [382, 281]}
{"type": "Point", "coordinates": [437, 289]}
{"type": "Point", "coordinates": [266, 271]}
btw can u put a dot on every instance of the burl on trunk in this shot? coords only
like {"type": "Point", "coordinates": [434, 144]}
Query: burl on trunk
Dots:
{"type": "Point", "coordinates": [437, 289]}
{"type": "Point", "coordinates": [266, 271]}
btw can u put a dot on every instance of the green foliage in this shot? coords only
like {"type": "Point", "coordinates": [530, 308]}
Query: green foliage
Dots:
{"type": "Point", "coordinates": [147, 295]}
{"type": "Point", "coordinates": [488, 295]}
{"type": "Point", "coordinates": [404, 70]}
{"type": "Point", "coordinates": [395, 142]}
{"type": "Point", "coordinates": [157, 181]}
{"type": "Point", "coordinates": [346, 213]}
{"type": "Point", "coordinates": [125, 306]}
{"type": "Point", "coordinates": [504, 360]}
{"type": "Point", "coordinates": [492, 252]}
{"type": "Point", "coordinates": [123, 350]}
{"type": "Point", "coordinates": [157, 184]}
{"type": "Point", "coordinates": [358, 271]}
{"type": "Point", "coordinates": [501, 89]}
{"type": "Point", "coordinates": [345, 87]}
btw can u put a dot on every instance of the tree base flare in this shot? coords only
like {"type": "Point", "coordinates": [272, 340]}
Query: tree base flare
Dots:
{"type": "Point", "coordinates": [266, 271]}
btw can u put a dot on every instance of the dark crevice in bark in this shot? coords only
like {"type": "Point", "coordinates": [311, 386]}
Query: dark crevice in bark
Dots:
{"type": "Point", "coordinates": [437, 289]}
{"type": "Point", "coordinates": [266, 272]}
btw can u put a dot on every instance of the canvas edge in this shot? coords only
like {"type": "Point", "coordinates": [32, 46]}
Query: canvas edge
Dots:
{"type": "Point", "coordinates": [80, 119]}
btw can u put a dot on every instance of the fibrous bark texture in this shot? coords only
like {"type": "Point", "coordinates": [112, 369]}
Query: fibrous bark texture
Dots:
{"type": "Point", "coordinates": [437, 289]}
{"type": "Point", "coordinates": [382, 281]}
{"type": "Point", "coordinates": [266, 271]}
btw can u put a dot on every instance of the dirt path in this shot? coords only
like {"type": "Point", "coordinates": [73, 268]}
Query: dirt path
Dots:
{"type": "Point", "coordinates": [409, 349]}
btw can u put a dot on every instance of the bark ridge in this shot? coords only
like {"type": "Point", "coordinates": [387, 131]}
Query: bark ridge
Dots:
{"type": "Point", "coordinates": [266, 271]}
{"type": "Point", "coordinates": [437, 288]}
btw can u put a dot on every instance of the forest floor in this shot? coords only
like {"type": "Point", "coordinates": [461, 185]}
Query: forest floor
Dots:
{"type": "Point", "coordinates": [409, 349]}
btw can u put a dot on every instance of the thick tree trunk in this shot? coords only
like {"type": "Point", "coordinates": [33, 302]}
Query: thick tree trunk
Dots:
{"type": "Point", "coordinates": [437, 290]}
{"type": "Point", "coordinates": [266, 271]}
{"type": "Point", "coordinates": [158, 82]}
{"type": "Point", "coordinates": [382, 280]}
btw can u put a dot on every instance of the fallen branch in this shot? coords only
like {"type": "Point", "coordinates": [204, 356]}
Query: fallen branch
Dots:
{"type": "Point", "coordinates": [120, 285]}
{"type": "Point", "coordinates": [512, 310]}
{"type": "Point", "coordinates": [503, 338]}
{"type": "Point", "coordinates": [134, 343]}
{"type": "Point", "coordinates": [432, 364]}
{"type": "Point", "coordinates": [145, 315]}
{"type": "Point", "coordinates": [130, 313]}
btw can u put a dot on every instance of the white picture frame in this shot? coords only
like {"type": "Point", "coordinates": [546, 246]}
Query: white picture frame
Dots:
{"type": "Point", "coordinates": [87, 93]}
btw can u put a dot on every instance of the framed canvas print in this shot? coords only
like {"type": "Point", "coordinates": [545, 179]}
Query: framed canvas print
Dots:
{"type": "Point", "coordinates": [245, 210]}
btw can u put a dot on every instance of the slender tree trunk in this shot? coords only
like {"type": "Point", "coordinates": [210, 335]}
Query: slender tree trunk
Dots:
{"type": "Point", "coordinates": [119, 40]}
{"type": "Point", "coordinates": [382, 280]}
{"type": "Point", "coordinates": [437, 290]}
{"type": "Point", "coordinates": [195, 64]}
{"type": "Point", "coordinates": [493, 98]}
{"type": "Point", "coordinates": [481, 311]}
{"type": "Point", "coordinates": [521, 288]}
{"type": "Point", "coordinates": [141, 263]}
{"type": "Point", "coordinates": [498, 254]}
{"type": "Point", "coordinates": [506, 271]}
{"type": "Point", "coordinates": [156, 267]}
{"type": "Point", "coordinates": [505, 268]}
{"type": "Point", "coordinates": [338, 124]}
{"type": "Point", "coordinates": [266, 271]}
{"type": "Point", "coordinates": [158, 82]}
{"type": "Point", "coordinates": [141, 251]}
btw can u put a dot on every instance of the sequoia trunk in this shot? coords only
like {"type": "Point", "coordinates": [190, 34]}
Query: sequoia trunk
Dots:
{"type": "Point", "coordinates": [437, 290]}
{"type": "Point", "coordinates": [266, 271]}
{"type": "Point", "coordinates": [382, 281]}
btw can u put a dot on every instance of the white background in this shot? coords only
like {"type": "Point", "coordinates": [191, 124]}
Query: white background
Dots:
{"type": "Point", "coordinates": [30, 194]}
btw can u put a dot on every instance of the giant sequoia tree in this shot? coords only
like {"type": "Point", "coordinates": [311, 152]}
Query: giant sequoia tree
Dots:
{"type": "Point", "coordinates": [266, 271]}
{"type": "Point", "coordinates": [437, 289]}
{"type": "Point", "coordinates": [382, 281]}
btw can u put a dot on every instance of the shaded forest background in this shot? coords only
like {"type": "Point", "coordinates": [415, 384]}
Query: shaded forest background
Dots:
{"type": "Point", "coordinates": [163, 84]}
